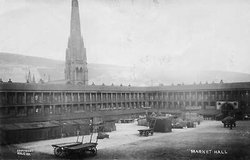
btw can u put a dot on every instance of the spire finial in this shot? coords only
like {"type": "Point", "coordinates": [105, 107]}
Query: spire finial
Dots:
{"type": "Point", "coordinates": [74, 3]}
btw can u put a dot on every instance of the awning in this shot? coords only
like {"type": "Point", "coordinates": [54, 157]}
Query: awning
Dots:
{"type": "Point", "coordinates": [68, 122]}
{"type": "Point", "coordinates": [33, 125]}
{"type": "Point", "coordinates": [208, 112]}
{"type": "Point", "coordinates": [9, 127]}
{"type": "Point", "coordinates": [74, 122]}
{"type": "Point", "coordinates": [174, 111]}
{"type": "Point", "coordinates": [81, 121]}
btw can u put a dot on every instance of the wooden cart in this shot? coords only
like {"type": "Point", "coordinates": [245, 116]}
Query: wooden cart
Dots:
{"type": "Point", "coordinates": [150, 130]}
{"type": "Point", "coordinates": [146, 132]}
{"type": "Point", "coordinates": [78, 148]}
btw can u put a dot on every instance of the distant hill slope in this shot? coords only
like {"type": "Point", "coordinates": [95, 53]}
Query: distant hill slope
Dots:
{"type": "Point", "coordinates": [16, 59]}
{"type": "Point", "coordinates": [16, 67]}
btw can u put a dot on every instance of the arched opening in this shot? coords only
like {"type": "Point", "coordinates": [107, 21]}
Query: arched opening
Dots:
{"type": "Point", "coordinates": [79, 73]}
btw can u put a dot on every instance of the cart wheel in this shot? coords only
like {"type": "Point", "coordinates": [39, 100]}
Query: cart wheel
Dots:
{"type": "Point", "coordinates": [140, 133]}
{"type": "Point", "coordinates": [94, 151]}
{"type": "Point", "coordinates": [144, 133]}
{"type": "Point", "coordinates": [147, 133]}
{"type": "Point", "coordinates": [58, 152]}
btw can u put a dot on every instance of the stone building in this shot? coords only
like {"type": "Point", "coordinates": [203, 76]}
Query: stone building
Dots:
{"type": "Point", "coordinates": [48, 111]}
{"type": "Point", "coordinates": [35, 111]}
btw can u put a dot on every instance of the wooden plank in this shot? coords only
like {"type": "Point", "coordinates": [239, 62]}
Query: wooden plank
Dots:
{"type": "Point", "coordinates": [66, 144]}
{"type": "Point", "coordinates": [81, 146]}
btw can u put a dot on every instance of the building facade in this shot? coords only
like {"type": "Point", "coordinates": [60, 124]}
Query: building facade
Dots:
{"type": "Point", "coordinates": [47, 111]}
{"type": "Point", "coordinates": [31, 111]}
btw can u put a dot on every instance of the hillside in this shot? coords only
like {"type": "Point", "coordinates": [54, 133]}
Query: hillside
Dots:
{"type": "Point", "coordinates": [16, 67]}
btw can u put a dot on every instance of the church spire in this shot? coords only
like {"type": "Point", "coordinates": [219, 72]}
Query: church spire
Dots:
{"type": "Point", "coordinates": [76, 71]}
{"type": "Point", "coordinates": [75, 26]}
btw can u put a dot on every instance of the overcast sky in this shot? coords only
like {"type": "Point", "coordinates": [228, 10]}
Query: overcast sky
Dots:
{"type": "Point", "coordinates": [167, 34]}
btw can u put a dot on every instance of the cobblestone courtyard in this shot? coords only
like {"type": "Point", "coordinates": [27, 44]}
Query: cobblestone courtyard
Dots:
{"type": "Point", "coordinates": [207, 141]}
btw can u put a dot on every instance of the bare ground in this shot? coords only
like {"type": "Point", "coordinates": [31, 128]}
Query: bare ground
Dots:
{"type": "Point", "coordinates": [207, 141]}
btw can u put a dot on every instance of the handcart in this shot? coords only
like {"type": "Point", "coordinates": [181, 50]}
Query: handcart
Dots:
{"type": "Point", "coordinates": [76, 148]}
{"type": "Point", "coordinates": [146, 132]}
{"type": "Point", "coordinates": [150, 130]}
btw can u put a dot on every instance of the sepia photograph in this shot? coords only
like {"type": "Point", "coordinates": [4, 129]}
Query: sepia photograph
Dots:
{"type": "Point", "coordinates": [125, 79]}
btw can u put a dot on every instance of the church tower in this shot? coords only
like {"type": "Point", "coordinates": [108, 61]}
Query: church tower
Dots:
{"type": "Point", "coordinates": [76, 71]}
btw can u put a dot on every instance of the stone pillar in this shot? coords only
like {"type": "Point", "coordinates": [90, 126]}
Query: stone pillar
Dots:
{"type": "Point", "coordinates": [78, 97]}
{"type": "Point", "coordinates": [42, 110]}
{"type": "Point", "coordinates": [115, 100]}
{"type": "Point", "coordinates": [231, 95]}
{"type": "Point", "coordinates": [53, 97]}
{"type": "Point", "coordinates": [15, 98]}
{"type": "Point", "coordinates": [61, 97]}
{"type": "Point", "coordinates": [33, 98]}
{"type": "Point", "coordinates": [96, 98]}
{"type": "Point", "coordinates": [84, 97]}
{"type": "Point", "coordinates": [166, 98]}
{"type": "Point", "coordinates": [25, 110]}
{"type": "Point", "coordinates": [209, 98]}
{"type": "Point", "coordinates": [130, 99]}
{"type": "Point", "coordinates": [101, 98]}
{"type": "Point", "coordinates": [16, 111]}
{"type": "Point", "coordinates": [42, 97]}
{"type": "Point", "coordinates": [4, 99]}
{"type": "Point", "coordinates": [216, 96]}
{"type": "Point", "coordinates": [54, 109]}
{"type": "Point", "coordinates": [202, 100]}
{"type": "Point", "coordinates": [72, 97]}
{"type": "Point", "coordinates": [190, 98]}
{"type": "Point", "coordinates": [34, 110]}
{"type": "Point", "coordinates": [25, 97]}
{"type": "Point", "coordinates": [90, 97]}
{"type": "Point", "coordinates": [112, 106]}
{"type": "Point", "coordinates": [90, 100]}
{"type": "Point", "coordinates": [196, 98]}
